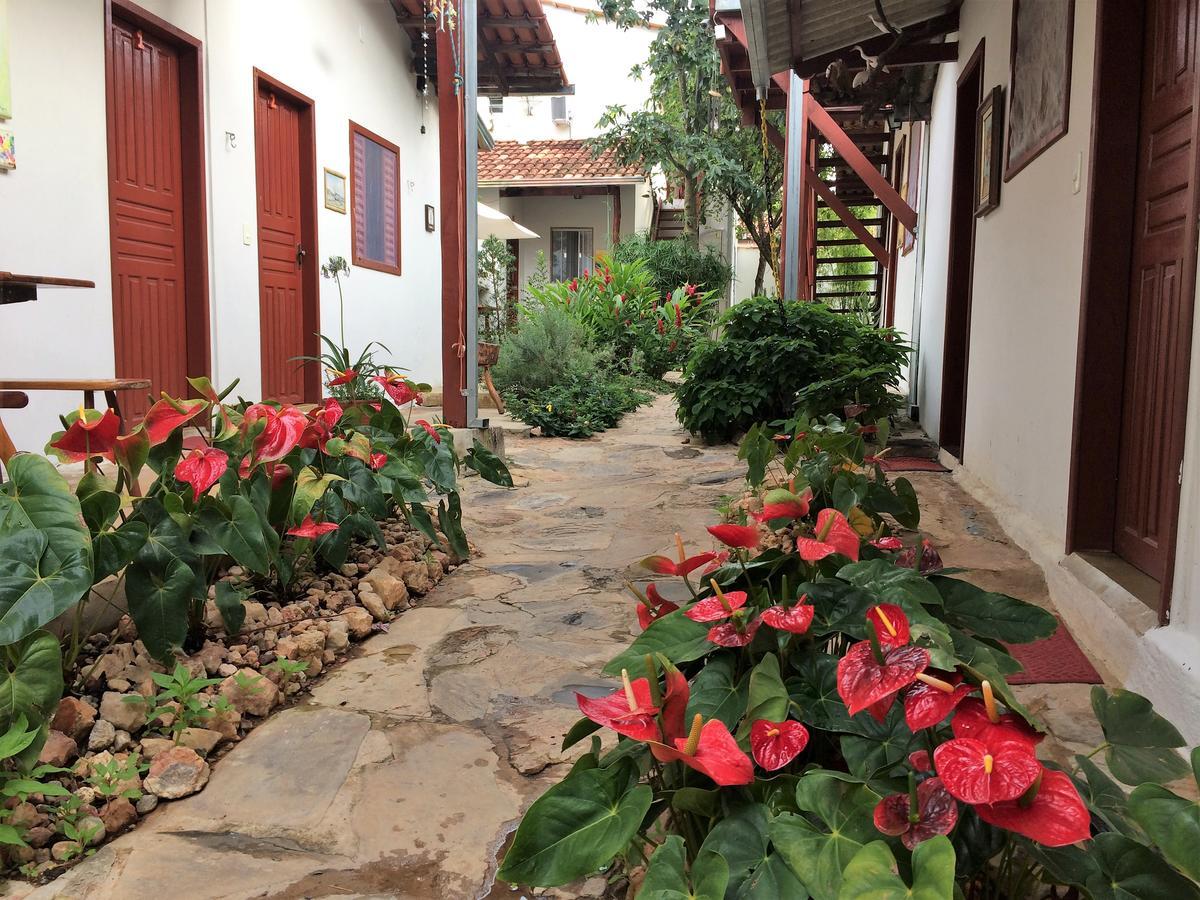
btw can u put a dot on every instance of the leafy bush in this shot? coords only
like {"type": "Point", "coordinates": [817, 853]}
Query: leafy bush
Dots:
{"type": "Point", "coordinates": [675, 262]}
{"type": "Point", "coordinates": [548, 348]}
{"type": "Point", "coordinates": [579, 406]}
{"type": "Point", "coordinates": [772, 360]}
{"type": "Point", "coordinates": [827, 715]}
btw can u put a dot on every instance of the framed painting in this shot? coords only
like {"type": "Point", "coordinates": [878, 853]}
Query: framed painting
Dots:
{"type": "Point", "coordinates": [5, 76]}
{"type": "Point", "coordinates": [335, 191]}
{"type": "Point", "coordinates": [989, 134]}
{"type": "Point", "coordinates": [1040, 79]}
{"type": "Point", "coordinates": [8, 150]}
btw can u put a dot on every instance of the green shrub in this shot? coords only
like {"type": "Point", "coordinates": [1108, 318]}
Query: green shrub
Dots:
{"type": "Point", "coordinates": [549, 347]}
{"type": "Point", "coordinates": [775, 359]}
{"type": "Point", "coordinates": [676, 262]}
{"type": "Point", "coordinates": [581, 405]}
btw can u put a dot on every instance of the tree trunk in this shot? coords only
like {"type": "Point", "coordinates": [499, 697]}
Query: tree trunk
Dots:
{"type": "Point", "coordinates": [691, 210]}
{"type": "Point", "coordinates": [758, 276]}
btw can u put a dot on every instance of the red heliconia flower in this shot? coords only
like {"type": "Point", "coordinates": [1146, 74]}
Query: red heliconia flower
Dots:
{"type": "Point", "coordinates": [937, 813]}
{"type": "Point", "coordinates": [714, 609]}
{"type": "Point", "coordinates": [165, 416]}
{"type": "Point", "coordinates": [430, 430]}
{"type": "Point", "coordinates": [690, 290]}
{"type": "Point", "coordinates": [710, 749]}
{"type": "Point", "coordinates": [662, 565]}
{"type": "Point", "coordinates": [1055, 817]}
{"type": "Point", "coordinates": [931, 561]}
{"type": "Point", "coordinates": [202, 468]}
{"type": "Point", "coordinates": [378, 460]}
{"type": "Point", "coordinates": [834, 534]}
{"type": "Point", "coordinates": [653, 606]}
{"type": "Point", "coordinates": [775, 744]}
{"type": "Point", "coordinates": [971, 720]}
{"type": "Point", "coordinates": [743, 536]}
{"type": "Point", "coordinates": [343, 377]}
{"type": "Point", "coordinates": [795, 618]}
{"type": "Point", "coordinates": [919, 760]}
{"type": "Point", "coordinates": [83, 439]}
{"type": "Point", "coordinates": [889, 544]}
{"type": "Point", "coordinates": [863, 681]}
{"type": "Point", "coordinates": [312, 530]}
{"type": "Point", "coordinates": [678, 316]}
{"type": "Point", "coordinates": [398, 389]}
{"type": "Point", "coordinates": [629, 711]}
{"type": "Point", "coordinates": [282, 433]}
{"type": "Point", "coordinates": [890, 624]}
{"type": "Point", "coordinates": [784, 504]}
{"type": "Point", "coordinates": [926, 704]}
{"type": "Point", "coordinates": [661, 327]}
{"type": "Point", "coordinates": [728, 634]}
{"type": "Point", "coordinates": [976, 772]}
{"type": "Point", "coordinates": [574, 285]}
{"type": "Point", "coordinates": [671, 346]}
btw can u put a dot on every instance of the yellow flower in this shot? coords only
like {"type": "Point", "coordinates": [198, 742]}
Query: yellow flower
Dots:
{"type": "Point", "coordinates": [549, 407]}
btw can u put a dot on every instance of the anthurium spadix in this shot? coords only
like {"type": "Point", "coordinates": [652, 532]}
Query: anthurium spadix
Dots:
{"type": "Point", "coordinates": [630, 711]}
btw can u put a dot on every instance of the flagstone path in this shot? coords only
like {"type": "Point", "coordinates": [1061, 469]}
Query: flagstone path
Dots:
{"type": "Point", "coordinates": [407, 767]}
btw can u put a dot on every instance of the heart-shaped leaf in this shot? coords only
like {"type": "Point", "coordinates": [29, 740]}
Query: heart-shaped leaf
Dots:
{"type": "Point", "coordinates": [715, 694]}
{"type": "Point", "coordinates": [36, 496]}
{"type": "Point", "coordinates": [36, 584]}
{"type": "Point", "coordinates": [238, 530]}
{"type": "Point", "coordinates": [158, 603]}
{"type": "Point", "coordinates": [1140, 742]}
{"type": "Point", "coordinates": [675, 636]}
{"type": "Point", "coordinates": [230, 602]}
{"type": "Point", "coordinates": [31, 680]}
{"type": "Point", "coordinates": [667, 877]}
{"type": "Point", "coordinates": [115, 549]}
{"type": "Point", "coordinates": [1172, 822]}
{"type": "Point", "coordinates": [873, 873]}
{"type": "Point", "coordinates": [993, 615]}
{"type": "Point", "coordinates": [1128, 870]}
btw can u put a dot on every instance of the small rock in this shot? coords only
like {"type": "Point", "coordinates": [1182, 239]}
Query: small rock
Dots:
{"type": "Point", "coordinates": [119, 684]}
{"type": "Point", "coordinates": [110, 665]}
{"type": "Point", "coordinates": [202, 740]}
{"type": "Point", "coordinates": [86, 795]}
{"type": "Point", "coordinates": [73, 717]}
{"type": "Point", "coordinates": [339, 600]}
{"type": "Point", "coordinates": [236, 572]}
{"type": "Point", "coordinates": [349, 570]}
{"type": "Point", "coordinates": [176, 773]}
{"type": "Point", "coordinates": [307, 646]}
{"type": "Point", "coordinates": [227, 669]}
{"type": "Point", "coordinates": [59, 750]}
{"type": "Point", "coordinates": [126, 630]}
{"type": "Point", "coordinates": [118, 815]}
{"type": "Point", "coordinates": [434, 568]}
{"type": "Point", "coordinates": [255, 696]}
{"type": "Point", "coordinates": [151, 747]}
{"type": "Point", "coordinates": [39, 836]}
{"type": "Point", "coordinates": [125, 714]}
{"type": "Point", "coordinates": [226, 723]}
{"type": "Point", "coordinates": [65, 850]}
{"type": "Point", "coordinates": [102, 736]}
{"type": "Point", "coordinates": [122, 740]}
{"type": "Point", "coordinates": [359, 621]}
{"type": "Point", "coordinates": [337, 636]}
{"type": "Point", "coordinates": [256, 615]}
{"type": "Point", "coordinates": [25, 816]}
{"type": "Point", "coordinates": [374, 605]}
{"type": "Point", "coordinates": [91, 830]}
{"type": "Point", "coordinates": [195, 666]}
{"type": "Point", "coordinates": [211, 656]}
{"type": "Point", "coordinates": [390, 589]}
{"type": "Point", "coordinates": [416, 578]}
{"type": "Point", "coordinates": [146, 804]}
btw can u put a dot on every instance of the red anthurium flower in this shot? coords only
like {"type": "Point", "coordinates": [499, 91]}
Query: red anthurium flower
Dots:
{"type": "Point", "coordinates": [709, 748]}
{"type": "Point", "coordinates": [714, 609]}
{"type": "Point", "coordinates": [879, 710]}
{"type": "Point", "coordinates": [312, 530]}
{"type": "Point", "coordinates": [674, 706]}
{"type": "Point", "coordinates": [166, 415]}
{"type": "Point", "coordinates": [889, 544]}
{"type": "Point", "coordinates": [931, 561]}
{"type": "Point", "coordinates": [715, 563]}
{"type": "Point", "coordinates": [775, 744]}
{"type": "Point", "coordinates": [795, 618]}
{"type": "Point", "coordinates": [937, 813]}
{"type": "Point", "coordinates": [662, 565]}
{"type": "Point", "coordinates": [399, 389]}
{"type": "Point", "coordinates": [202, 468]}
{"type": "Point", "coordinates": [340, 378]}
{"type": "Point", "coordinates": [743, 536]}
{"type": "Point", "coordinates": [430, 430]}
{"type": "Point", "coordinates": [919, 760]}
{"type": "Point", "coordinates": [280, 473]}
{"type": "Point", "coordinates": [931, 699]}
{"type": "Point", "coordinates": [1055, 816]}
{"type": "Point", "coordinates": [652, 606]}
{"type": "Point", "coordinates": [734, 633]}
{"type": "Point", "coordinates": [629, 711]}
{"type": "Point", "coordinates": [784, 504]}
{"type": "Point", "coordinates": [976, 772]}
{"type": "Point", "coordinates": [85, 439]}
{"type": "Point", "coordinates": [332, 410]}
{"type": "Point", "coordinates": [972, 720]}
{"type": "Point", "coordinates": [378, 461]}
{"type": "Point", "coordinates": [890, 624]}
{"type": "Point", "coordinates": [834, 534]}
{"type": "Point", "coordinates": [281, 433]}
{"type": "Point", "coordinates": [863, 681]}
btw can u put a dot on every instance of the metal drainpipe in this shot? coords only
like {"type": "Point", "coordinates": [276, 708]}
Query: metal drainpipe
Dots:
{"type": "Point", "coordinates": [470, 64]}
{"type": "Point", "coordinates": [914, 368]}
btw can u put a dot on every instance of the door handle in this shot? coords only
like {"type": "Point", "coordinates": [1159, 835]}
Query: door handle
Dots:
{"type": "Point", "coordinates": [300, 254]}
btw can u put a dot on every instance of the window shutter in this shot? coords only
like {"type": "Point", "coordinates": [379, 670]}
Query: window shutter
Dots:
{"type": "Point", "coordinates": [391, 190]}
{"type": "Point", "coordinates": [359, 177]}
{"type": "Point", "coordinates": [375, 201]}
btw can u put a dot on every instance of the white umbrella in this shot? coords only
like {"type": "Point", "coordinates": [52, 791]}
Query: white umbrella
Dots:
{"type": "Point", "coordinates": [493, 223]}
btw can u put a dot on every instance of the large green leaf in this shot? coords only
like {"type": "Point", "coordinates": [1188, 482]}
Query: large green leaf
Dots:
{"type": "Point", "coordinates": [450, 521]}
{"type": "Point", "coordinates": [873, 873]}
{"type": "Point", "coordinates": [158, 602]}
{"type": "Point", "coordinates": [310, 487]}
{"type": "Point", "coordinates": [993, 615]}
{"type": "Point", "coordinates": [878, 745]}
{"type": "Point", "coordinates": [577, 826]}
{"type": "Point", "coordinates": [1171, 821]}
{"type": "Point", "coordinates": [1140, 742]}
{"type": "Point", "coordinates": [1127, 870]}
{"type": "Point", "coordinates": [115, 548]}
{"type": "Point", "coordinates": [489, 466]}
{"type": "Point", "coordinates": [36, 584]}
{"type": "Point", "coordinates": [675, 636]}
{"type": "Point", "coordinates": [889, 583]}
{"type": "Point", "coordinates": [98, 502]}
{"type": "Point", "coordinates": [667, 877]}
{"type": "Point", "coordinates": [768, 698]}
{"type": "Point", "coordinates": [230, 602]}
{"type": "Point", "coordinates": [238, 530]}
{"type": "Point", "coordinates": [819, 854]}
{"type": "Point", "coordinates": [31, 680]}
{"type": "Point", "coordinates": [715, 694]}
{"type": "Point", "coordinates": [741, 839]}
{"type": "Point", "coordinates": [36, 496]}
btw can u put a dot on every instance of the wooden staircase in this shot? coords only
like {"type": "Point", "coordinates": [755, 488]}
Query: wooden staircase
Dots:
{"type": "Point", "coordinates": [668, 223]}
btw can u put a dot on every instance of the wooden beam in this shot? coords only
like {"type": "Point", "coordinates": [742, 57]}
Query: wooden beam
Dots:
{"type": "Point", "coordinates": [737, 28]}
{"type": "Point", "coordinates": [615, 192]}
{"type": "Point", "coordinates": [845, 147]}
{"type": "Point", "coordinates": [910, 55]}
{"type": "Point", "coordinates": [816, 65]}
{"type": "Point", "coordinates": [851, 221]}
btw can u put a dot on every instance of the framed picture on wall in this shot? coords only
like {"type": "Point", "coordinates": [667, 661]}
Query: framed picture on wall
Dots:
{"type": "Point", "coordinates": [1040, 79]}
{"type": "Point", "coordinates": [335, 191]}
{"type": "Point", "coordinates": [989, 135]}
{"type": "Point", "coordinates": [430, 218]}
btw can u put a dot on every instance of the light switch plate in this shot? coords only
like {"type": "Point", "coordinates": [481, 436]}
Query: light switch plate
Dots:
{"type": "Point", "coordinates": [247, 235]}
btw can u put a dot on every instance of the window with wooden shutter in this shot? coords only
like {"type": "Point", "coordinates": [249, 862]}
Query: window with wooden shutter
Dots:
{"type": "Point", "coordinates": [374, 201]}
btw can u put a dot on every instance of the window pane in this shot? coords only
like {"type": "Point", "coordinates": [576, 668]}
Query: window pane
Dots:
{"type": "Point", "coordinates": [376, 202]}
{"type": "Point", "coordinates": [570, 252]}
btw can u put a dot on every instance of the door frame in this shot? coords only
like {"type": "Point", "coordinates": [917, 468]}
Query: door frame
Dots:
{"type": "Point", "coordinates": [1104, 301]}
{"type": "Point", "coordinates": [310, 282]}
{"type": "Point", "coordinates": [195, 197]}
{"type": "Point", "coordinates": [960, 264]}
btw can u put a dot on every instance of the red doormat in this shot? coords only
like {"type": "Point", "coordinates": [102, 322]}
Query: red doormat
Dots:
{"type": "Point", "coordinates": [1054, 660]}
{"type": "Point", "coordinates": [911, 464]}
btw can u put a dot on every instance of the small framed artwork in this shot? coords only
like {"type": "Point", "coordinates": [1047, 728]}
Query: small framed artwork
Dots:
{"type": "Point", "coordinates": [430, 218]}
{"type": "Point", "coordinates": [8, 150]}
{"type": "Point", "coordinates": [989, 139]}
{"type": "Point", "coordinates": [335, 191]}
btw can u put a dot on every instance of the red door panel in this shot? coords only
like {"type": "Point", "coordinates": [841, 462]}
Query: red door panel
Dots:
{"type": "Point", "coordinates": [277, 133]}
{"type": "Point", "coordinates": [146, 198]}
{"type": "Point", "coordinates": [1156, 363]}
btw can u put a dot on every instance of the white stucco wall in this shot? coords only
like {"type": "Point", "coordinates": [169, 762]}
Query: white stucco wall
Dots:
{"type": "Point", "coordinates": [350, 58]}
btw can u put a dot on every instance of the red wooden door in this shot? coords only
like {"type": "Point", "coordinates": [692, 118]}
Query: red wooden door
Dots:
{"type": "Point", "coordinates": [282, 245]}
{"type": "Point", "coordinates": [146, 200]}
{"type": "Point", "coordinates": [1156, 355]}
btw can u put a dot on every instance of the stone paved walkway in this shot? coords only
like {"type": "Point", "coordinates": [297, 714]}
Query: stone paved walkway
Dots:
{"type": "Point", "coordinates": [405, 770]}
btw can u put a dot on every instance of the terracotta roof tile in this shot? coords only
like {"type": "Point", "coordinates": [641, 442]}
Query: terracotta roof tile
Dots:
{"type": "Point", "coordinates": [569, 162]}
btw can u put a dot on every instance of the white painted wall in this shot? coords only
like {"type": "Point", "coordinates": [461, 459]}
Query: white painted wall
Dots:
{"type": "Point", "coordinates": [350, 58]}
